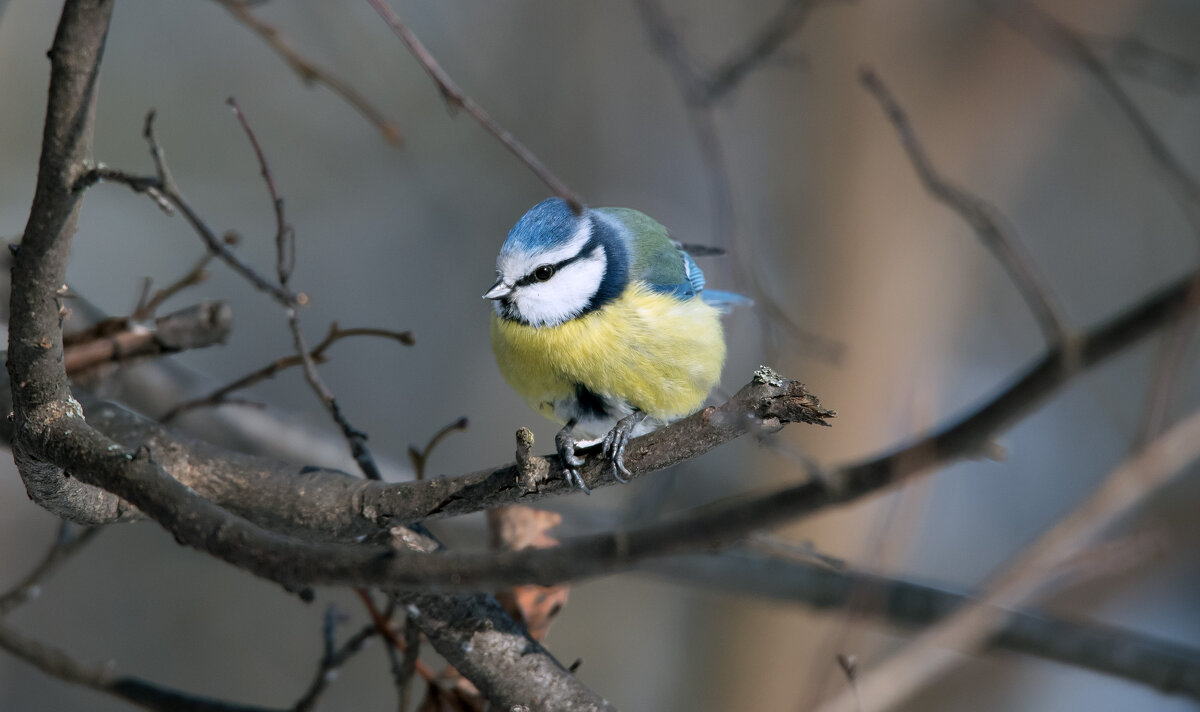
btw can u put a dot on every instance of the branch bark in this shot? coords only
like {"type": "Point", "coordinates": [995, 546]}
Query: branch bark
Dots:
{"type": "Point", "coordinates": [1164, 665]}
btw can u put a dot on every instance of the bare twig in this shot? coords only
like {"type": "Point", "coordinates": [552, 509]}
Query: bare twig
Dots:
{"type": "Point", "coordinates": [195, 327]}
{"type": "Point", "coordinates": [317, 354]}
{"type": "Point", "coordinates": [147, 695]}
{"type": "Point", "coordinates": [700, 92]}
{"type": "Point", "coordinates": [1058, 39]}
{"type": "Point", "coordinates": [148, 305]}
{"type": "Point", "coordinates": [420, 457]}
{"type": "Point", "coordinates": [156, 188]}
{"type": "Point", "coordinates": [981, 216]}
{"type": "Point", "coordinates": [1161, 664]}
{"type": "Point", "coordinates": [332, 659]}
{"type": "Point", "coordinates": [66, 543]}
{"type": "Point", "coordinates": [763, 46]}
{"type": "Point", "coordinates": [57, 663]}
{"type": "Point", "coordinates": [285, 257]}
{"type": "Point", "coordinates": [928, 657]}
{"type": "Point", "coordinates": [457, 99]}
{"type": "Point", "coordinates": [1140, 59]}
{"type": "Point", "coordinates": [1169, 365]}
{"type": "Point", "coordinates": [311, 72]}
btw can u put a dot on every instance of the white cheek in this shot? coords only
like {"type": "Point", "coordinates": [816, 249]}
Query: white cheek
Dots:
{"type": "Point", "coordinates": [565, 296]}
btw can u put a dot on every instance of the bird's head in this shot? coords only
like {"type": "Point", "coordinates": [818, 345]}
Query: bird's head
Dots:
{"type": "Point", "coordinates": [557, 265]}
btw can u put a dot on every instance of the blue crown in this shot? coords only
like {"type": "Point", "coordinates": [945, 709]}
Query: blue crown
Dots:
{"type": "Point", "coordinates": [548, 224]}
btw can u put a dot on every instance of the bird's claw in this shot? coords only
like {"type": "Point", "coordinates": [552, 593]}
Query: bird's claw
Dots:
{"type": "Point", "coordinates": [565, 444]}
{"type": "Point", "coordinates": [616, 441]}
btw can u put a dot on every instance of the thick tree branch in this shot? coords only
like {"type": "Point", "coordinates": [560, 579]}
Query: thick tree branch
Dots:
{"type": "Point", "coordinates": [340, 505]}
{"type": "Point", "coordinates": [926, 658]}
{"type": "Point", "coordinates": [1166, 666]}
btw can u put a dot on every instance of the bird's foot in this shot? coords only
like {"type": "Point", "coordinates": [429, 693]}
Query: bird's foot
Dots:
{"type": "Point", "coordinates": [565, 444]}
{"type": "Point", "coordinates": [615, 442]}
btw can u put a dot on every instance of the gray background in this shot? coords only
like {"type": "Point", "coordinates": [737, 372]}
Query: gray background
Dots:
{"type": "Point", "coordinates": [833, 222]}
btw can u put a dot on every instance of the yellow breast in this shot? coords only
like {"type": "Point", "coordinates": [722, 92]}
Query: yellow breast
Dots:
{"type": "Point", "coordinates": [660, 354]}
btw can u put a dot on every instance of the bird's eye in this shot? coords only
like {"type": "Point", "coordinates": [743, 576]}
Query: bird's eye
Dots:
{"type": "Point", "coordinates": [543, 272]}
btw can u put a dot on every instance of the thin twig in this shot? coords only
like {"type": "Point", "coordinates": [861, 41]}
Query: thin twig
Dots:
{"type": "Point", "coordinates": [456, 98]}
{"type": "Point", "coordinates": [761, 48]}
{"type": "Point", "coordinates": [1144, 61]}
{"type": "Point", "coordinates": [220, 396]}
{"type": "Point", "coordinates": [981, 216]}
{"type": "Point", "coordinates": [148, 305]}
{"type": "Point", "coordinates": [1158, 663]}
{"type": "Point", "coordinates": [696, 88]}
{"type": "Point", "coordinates": [384, 626]}
{"type": "Point", "coordinates": [420, 457]}
{"type": "Point", "coordinates": [332, 659]}
{"type": "Point", "coordinates": [284, 264]}
{"type": "Point", "coordinates": [57, 663]}
{"type": "Point", "coordinates": [928, 657]}
{"type": "Point", "coordinates": [1058, 39]}
{"type": "Point", "coordinates": [162, 189]}
{"type": "Point", "coordinates": [66, 543]}
{"type": "Point", "coordinates": [310, 71]}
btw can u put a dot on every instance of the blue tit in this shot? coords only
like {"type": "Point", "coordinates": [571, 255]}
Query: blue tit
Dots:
{"type": "Point", "coordinates": [602, 323]}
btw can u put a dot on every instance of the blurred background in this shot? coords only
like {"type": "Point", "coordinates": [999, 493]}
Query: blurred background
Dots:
{"type": "Point", "coordinates": [905, 319]}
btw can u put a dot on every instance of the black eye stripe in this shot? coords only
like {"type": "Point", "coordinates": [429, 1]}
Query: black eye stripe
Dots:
{"type": "Point", "coordinates": [589, 247]}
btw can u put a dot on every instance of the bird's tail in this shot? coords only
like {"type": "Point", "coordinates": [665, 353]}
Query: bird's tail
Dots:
{"type": "Point", "coordinates": [725, 300]}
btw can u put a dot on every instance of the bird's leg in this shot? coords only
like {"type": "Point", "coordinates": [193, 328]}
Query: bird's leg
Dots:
{"type": "Point", "coordinates": [615, 442]}
{"type": "Point", "coordinates": [565, 444]}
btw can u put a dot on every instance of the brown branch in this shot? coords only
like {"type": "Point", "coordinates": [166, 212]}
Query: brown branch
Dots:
{"type": "Point", "coordinates": [1058, 39]}
{"type": "Point", "coordinates": [162, 189]}
{"type": "Point", "coordinates": [147, 695]}
{"type": "Point", "coordinates": [310, 71]}
{"type": "Point", "coordinates": [983, 218]}
{"type": "Point", "coordinates": [1164, 665]}
{"type": "Point", "coordinates": [317, 354]}
{"type": "Point", "coordinates": [195, 327]}
{"type": "Point", "coordinates": [419, 458]}
{"type": "Point", "coordinates": [924, 659]}
{"type": "Point", "coordinates": [696, 88]}
{"type": "Point", "coordinates": [340, 508]}
{"type": "Point", "coordinates": [66, 544]}
{"type": "Point", "coordinates": [57, 663]}
{"type": "Point", "coordinates": [457, 99]}
{"type": "Point", "coordinates": [285, 256]}
{"type": "Point", "coordinates": [765, 43]}
{"type": "Point", "coordinates": [147, 306]}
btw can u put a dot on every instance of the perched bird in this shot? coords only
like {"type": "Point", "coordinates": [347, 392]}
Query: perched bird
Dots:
{"type": "Point", "coordinates": [602, 323]}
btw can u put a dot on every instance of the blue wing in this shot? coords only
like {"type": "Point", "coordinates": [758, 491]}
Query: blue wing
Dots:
{"type": "Point", "coordinates": [661, 263]}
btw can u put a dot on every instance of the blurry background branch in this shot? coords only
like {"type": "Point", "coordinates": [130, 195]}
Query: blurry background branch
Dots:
{"type": "Point", "coordinates": [310, 72]}
{"type": "Point", "coordinates": [1166, 666]}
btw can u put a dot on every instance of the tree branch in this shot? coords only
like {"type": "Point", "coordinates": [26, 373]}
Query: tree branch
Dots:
{"type": "Point", "coordinates": [197, 326]}
{"type": "Point", "coordinates": [310, 71]}
{"type": "Point", "coordinates": [926, 658]}
{"type": "Point", "coordinates": [981, 216]}
{"type": "Point", "coordinates": [1164, 665]}
{"type": "Point", "coordinates": [456, 98]}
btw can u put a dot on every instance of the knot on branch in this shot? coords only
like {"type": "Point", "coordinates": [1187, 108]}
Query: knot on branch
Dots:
{"type": "Point", "coordinates": [794, 404]}
{"type": "Point", "coordinates": [776, 401]}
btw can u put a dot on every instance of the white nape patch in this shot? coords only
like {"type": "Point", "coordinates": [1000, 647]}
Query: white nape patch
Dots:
{"type": "Point", "coordinates": [565, 295]}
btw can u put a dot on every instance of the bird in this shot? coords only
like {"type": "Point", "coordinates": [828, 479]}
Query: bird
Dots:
{"type": "Point", "coordinates": [602, 323]}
